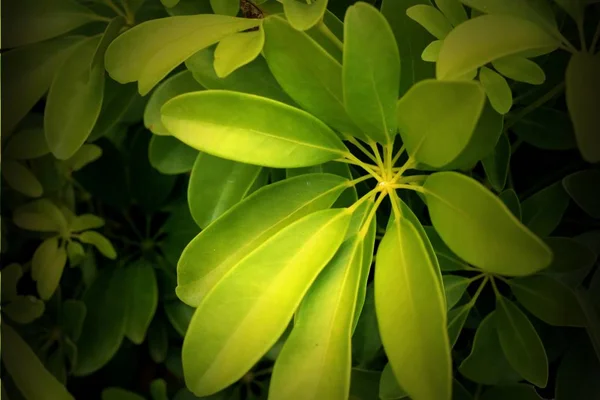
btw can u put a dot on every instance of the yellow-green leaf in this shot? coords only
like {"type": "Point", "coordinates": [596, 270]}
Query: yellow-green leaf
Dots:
{"type": "Point", "coordinates": [431, 19]}
{"type": "Point", "coordinates": [453, 10]}
{"type": "Point", "coordinates": [86, 221]}
{"type": "Point", "coordinates": [432, 51]}
{"type": "Point", "coordinates": [86, 154]}
{"type": "Point", "coordinates": [170, 156]}
{"type": "Point", "coordinates": [100, 242]}
{"type": "Point", "coordinates": [304, 15]}
{"type": "Point", "coordinates": [224, 7]}
{"type": "Point", "coordinates": [454, 287]}
{"type": "Point", "coordinates": [40, 215]}
{"type": "Point", "coordinates": [27, 144]}
{"type": "Point", "coordinates": [520, 69]}
{"type": "Point", "coordinates": [47, 266]}
{"type": "Point", "coordinates": [237, 50]}
{"type": "Point", "coordinates": [21, 179]}
{"type": "Point", "coordinates": [497, 90]}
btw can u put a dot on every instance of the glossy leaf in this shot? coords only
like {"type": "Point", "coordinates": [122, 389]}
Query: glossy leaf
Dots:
{"type": "Point", "coordinates": [510, 198]}
{"type": "Point", "coordinates": [455, 287]}
{"type": "Point", "coordinates": [170, 156]}
{"type": "Point", "coordinates": [497, 90]}
{"type": "Point", "coordinates": [145, 53]}
{"type": "Point", "coordinates": [247, 226]}
{"type": "Point", "coordinates": [520, 69]}
{"type": "Point", "coordinates": [427, 139]}
{"type": "Point", "coordinates": [217, 184]}
{"type": "Point", "coordinates": [519, 391]}
{"type": "Point", "coordinates": [371, 72]}
{"type": "Point", "coordinates": [486, 39]}
{"type": "Point", "coordinates": [389, 389]}
{"type": "Point", "coordinates": [347, 198]}
{"type": "Point", "coordinates": [580, 187]}
{"type": "Point", "coordinates": [411, 311]}
{"type": "Point", "coordinates": [520, 343]}
{"type": "Point", "coordinates": [303, 16]}
{"type": "Point", "coordinates": [143, 299]}
{"type": "Point", "coordinates": [453, 10]}
{"type": "Point", "coordinates": [319, 344]}
{"type": "Point", "coordinates": [431, 19]}
{"type": "Point", "coordinates": [238, 50]}
{"type": "Point", "coordinates": [21, 179]}
{"type": "Point", "coordinates": [480, 229]}
{"type": "Point", "coordinates": [100, 242]}
{"type": "Point", "coordinates": [549, 300]}
{"type": "Point", "coordinates": [27, 144]}
{"type": "Point", "coordinates": [497, 164]}
{"type": "Point", "coordinates": [214, 354]}
{"type": "Point", "coordinates": [543, 211]}
{"type": "Point", "coordinates": [74, 101]}
{"type": "Point", "coordinates": [546, 129]}
{"type": "Point", "coordinates": [216, 121]}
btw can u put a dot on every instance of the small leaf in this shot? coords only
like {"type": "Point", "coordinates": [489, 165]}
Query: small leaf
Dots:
{"type": "Point", "coordinates": [197, 119]}
{"type": "Point", "coordinates": [11, 274]}
{"type": "Point", "coordinates": [546, 129]}
{"type": "Point", "coordinates": [427, 139]}
{"type": "Point", "coordinates": [142, 302]}
{"type": "Point", "coordinates": [511, 200]}
{"type": "Point", "coordinates": [543, 211]}
{"type": "Point", "coordinates": [432, 51]}
{"type": "Point", "coordinates": [213, 360]}
{"type": "Point", "coordinates": [520, 342]}
{"type": "Point", "coordinates": [371, 72]}
{"type": "Point", "coordinates": [21, 179]}
{"type": "Point", "coordinates": [75, 253]}
{"type": "Point", "coordinates": [497, 90]}
{"type": "Point", "coordinates": [549, 300]}
{"type": "Point", "coordinates": [480, 229]}
{"type": "Point", "coordinates": [237, 50]}
{"type": "Point", "coordinates": [170, 156]}
{"type": "Point", "coordinates": [303, 16]}
{"type": "Point", "coordinates": [520, 69]}
{"type": "Point", "coordinates": [40, 215]}
{"type": "Point", "coordinates": [88, 153]}
{"type": "Point", "coordinates": [580, 187]}
{"type": "Point", "coordinates": [488, 38]}
{"type": "Point", "coordinates": [497, 164]}
{"type": "Point", "coordinates": [158, 389]}
{"type": "Point", "coordinates": [24, 309]}
{"type": "Point", "coordinates": [431, 19]}
{"type": "Point", "coordinates": [86, 221]}
{"type": "Point", "coordinates": [519, 391]}
{"type": "Point", "coordinates": [48, 263]}
{"type": "Point", "coordinates": [453, 10]}
{"type": "Point", "coordinates": [224, 7]}
{"type": "Point", "coordinates": [101, 243]}
{"type": "Point", "coordinates": [389, 389]}
{"type": "Point", "coordinates": [455, 287]}
{"type": "Point", "coordinates": [27, 144]}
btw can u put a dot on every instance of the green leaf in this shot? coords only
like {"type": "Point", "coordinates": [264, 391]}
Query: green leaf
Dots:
{"type": "Point", "coordinates": [575, 8]}
{"type": "Point", "coordinates": [180, 83]}
{"type": "Point", "coordinates": [411, 311]}
{"type": "Point", "coordinates": [479, 228]}
{"type": "Point", "coordinates": [179, 315]}
{"type": "Point", "coordinates": [119, 101]}
{"type": "Point", "coordinates": [520, 69]}
{"type": "Point", "coordinates": [158, 341]}
{"type": "Point", "coordinates": [74, 101]}
{"type": "Point", "coordinates": [364, 385]}
{"type": "Point", "coordinates": [488, 38]}
{"type": "Point", "coordinates": [149, 51]}
{"type": "Point", "coordinates": [432, 51]}
{"type": "Point", "coordinates": [456, 321]}
{"type": "Point", "coordinates": [518, 391]}
{"type": "Point", "coordinates": [115, 393]}
{"type": "Point", "coordinates": [88, 153]}
{"type": "Point", "coordinates": [303, 16]}
{"type": "Point", "coordinates": [24, 309]}
{"type": "Point", "coordinates": [308, 74]}
{"type": "Point", "coordinates": [237, 50]}
{"type": "Point", "coordinates": [366, 341]}
{"type": "Point", "coordinates": [577, 376]}
{"type": "Point", "coordinates": [216, 185]}
{"type": "Point", "coordinates": [329, 34]}
{"type": "Point", "coordinates": [456, 106]}
{"type": "Point", "coordinates": [158, 389]}
{"type": "Point", "coordinates": [75, 253]}
{"type": "Point", "coordinates": [113, 29]}
{"type": "Point", "coordinates": [431, 19]}
{"type": "Point", "coordinates": [71, 317]}
{"type": "Point", "coordinates": [291, 259]}
{"type": "Point", "coordinates": [371, 72]}
{"type": "Point", "coordinates": [11, 274]}
{"type": "Point", "coordinates": [21, 179]}
{"type": "Point", "coordinates": [520, 343]}
{"type": "Point", "coordinates": [143, 299]}
{"type": "Point", "coordinates": [21, 364]}
{"type": "Point", "coordinates": [389, 389]}
{"type": "Point", "coordinates": [199, 119]}
{"type": "Point", "coordinates": [27, 144]}
{"type": "Point", "coordinates": [320, 344]}
{"type": "Point", "coordinates": [486, 364]}
{"type": "Point", "coordinates": [572, 259]}
{"type": "Point", "coordinates": [30, 21]}
{"type": "Point", "coordinates": [549, 300]}
{"type": "Point", "coordinates": [453, 10]}
{"type": "Point", "coordinates": [497, 90]}
{"type": "Point", "coordinates": [543, 211]}
{"type": "Point", "coordinates": [497, 164]}
{"type": "Point", "coordinates": [347, 198]}
{"type": "Point", "coordinates": [455, 287]}
{"type": "Point", "coordinates": [546, 129]}
{"type": "Point", "coordinates": [40, 215]}
{"type": "Point", "coordinates": [447, 259]}
{"type": "Point", "coordinates": [48, 263]}
{"type": "Point", "coordinates": [511, 200]}
{"type": "Point", "coordinates": [247, 225]}
{"type": "Point", "coordinates": [86, 221]}
{"type": "Point", "coordinates": [580, 186]}
{"type": "Point", "coordinates": [104, 325]}
{"type": "Point", "coordinates": [225, 7]}
{"type": "Point", "coordinates": [100, 242]}
{"type": "Point", "coordinates": [170, 156]}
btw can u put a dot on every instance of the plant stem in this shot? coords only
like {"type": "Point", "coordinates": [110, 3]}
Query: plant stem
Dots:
{"type": "Point", "coordinates": [595, 39]}
{"type": "Point", "coordinates": [536, 104]}
{"type": "Point", "coordinates": [409, 187]}
{"type": "Point", "coordinates": [496, 291]}
{"type": "Point", "coordinates": [354, 160]}
{"type": "Point", "coordinates": [367, 196]}
{"type": "Point", "coordinates": [361, 179]}
{"type": "Point", "coordinates": [379, 162]}
{"type": "Point", "coordinates": [407, 165]}
{"type": "Point", "coordinates": [395, 200]}
{"type": "Point", "coordinates": [413, 179]}
{"type": "Point", "coordinates": [362, 148]}
{"type": "Point", "coordinates": [480, 289]}
{"type": "Point", "coordinates": [324, 29]}
{"type": "Point", "coordinates": [398, 155]}
{"type": "Point", "coordinates": [132, 226]}
{"type": "Point", "coordinates": [115, 8]}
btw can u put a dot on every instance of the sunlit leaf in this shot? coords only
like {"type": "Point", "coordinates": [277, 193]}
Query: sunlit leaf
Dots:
{"type": "Point", "coordinates": [40, 215]}
{"type": "Point", "coordinates": [303, 15]}
{"type": "Point", "coordinates": [237, 50]}
{"type": "Point", "coordinates": [432, 51]}
{"type": "Point", "coordinates": [497, 90]}
{"type": "Point", "coordinates": [225, 7]}
{"type": "Point", "coordinates": [431, 19]}
{"type": "Point", "coordinates": [453, 10]}
{"type": "Point", "coordinates": [520, 69]}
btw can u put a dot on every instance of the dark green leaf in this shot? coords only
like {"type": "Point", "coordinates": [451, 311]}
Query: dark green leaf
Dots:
{"type": "Point", "coordinates": [447, 259]}
{"type": "Point", "coordinates": [497, 164]}
{"type": "Point", "coordinates": [179, 315]}
{"type": "Point", "coordinates": [580, 186]}
{"type": "Point", "coordinates": [543, 211]}
{"type": "Point", "coordinates": [170, 156]}
{"type": "Point", "coordinates": [454, 287]}
{"type": "Point", "coordinates": [578, 372]}
{"type": "Point", "coordinates": [389, 389]}
{"type": "Point", "coordinates": [143, 299]}
{"type": "Point", "coordinates": [546, 129]}
{"type": "Point", "coordinates": [510, 198]}
{"type": "Point", "coordinates": [519, 391]}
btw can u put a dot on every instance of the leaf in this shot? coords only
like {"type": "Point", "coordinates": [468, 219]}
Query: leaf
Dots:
{"type": "Point", "coordinates": [572, 259]}
{"type": "Point", "coordinates": [487, 364]}
{"type": "Point", "coordinates": [320, 344]}
{"type": "Point", "coordinates": [431, 19]}
{"type": "Point", "coordinates": [198, 119]}
{"type": "Point", "coordinates": [11, 274]}
{"type": "Point", "coordinates": [247, 225]}
{"type": "Point", "coordinates": [118, 102]}
{"type": "Point", "coordinates": [27, 144]}
{"type": "Point", "coordinates": [456, 106]}
{"type": "Point", "coordinates": [347, 198]}
{"type": "Point", "coordinates": [24, 309]}
{"type": "Point", "coordinates": [411, 311]}
{"type": "Point", "coordinates": [520, 342]}
{"type": "Point", "coordinates": [447, 259]}
{"type": "Point", "coordinates": [158, 389]}
{"type": "Point", "coordinates": [158, 341]}
{"type": "Point", "coordinates": [88, 153]}
{"type": "Point", "coordinates": [487, 38]}
{"type": "Point", "coordinates": [519, 391]}
{"type": "Point", "coordinates": [577, 373]}
{"type": "Point", "coordinates": [115, 393]}
{"type": "Point", "coordinates": [575, 8]}
{"type": "Point", "coordinates": [104, 325]}
{"type": "Point", "coordinates": [74, 101]}
{"type": "Point", "coordinates": [143, 299]}
{"type": "Point", "coordinates": [308, 74]}
{"type": "Point", "coordinates": [371, 72]}
{"type": "Point", "coordinates": [170, 156]}
{"type": "Point", "coordinates": [580, 186]}
{"type": "Point", "coordinates": [48, 263]}
{"type": "Point", "coordinates": [237, 50]}
{"type": "Point", "coordinates": [100, 242]}
{"type": "Point", "coordinates": [71, 317]}
{"type": "Point", "coordinates": [113, 29]}
{"type": "Point", "coordinates": [21, 179]}
{"type": "Point", "coordinates": [303, 16]}
{"type": "Point", "coordinates": [549, 300]}
{"type": "Point", "coordinates": [453, 10]}
{"type": "Point", "coordinates": [480, 229]}
{"type": "Point", "coordinates": [432, 51]}
{"type": "Point", "coordinates": [149, 51]}
{"type": "Point", "coordinates": [546, 129]}
{"type": "Point", "coordinates": [455, 287]}
{"type": "Point", "coordinates": [497, 164]}
{"type": "Point", "coordinates": [213, 360]}
{"type": "Point", "coordinates": [22, 363]}
{"type": "Point", "coordinates": [511, 200]}
{"type": "Point", "coordinates": [543, 211]}
{"type": "Point", "coordinates": [497, 90]}
{"type": "Point", "coordinates": [520, 69]}
{"type": "Point", "coordinates": [179, 315]}
{"type": "Point", "coordinates": [86, 221]}
{"type": "Point", "coordinates": [40, 215]}
{"type": "Point", "coordinates": [225, 7]}
{"type": "Point", "coordinates": [29, 21]}
{"type": "Point", "coordinates": [366, 341]}
{"type": "Point", "coordinates": [364, 385]}
{"type": "Point", "coordinates": [456, 321]}
{"type": "Point", "coordinates": [389, 389]}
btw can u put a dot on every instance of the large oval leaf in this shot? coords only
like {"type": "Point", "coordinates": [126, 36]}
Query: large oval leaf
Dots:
{"type": "Point", "coordinates": [431, 19]}
{"type": "Point", "coordinates": [412, 313]}
{"type": "Point", "coordinates": [248, 225]}
{"type": "Point", "coordinates": [371, 72]}
{"type": "Point", "coordinates": [487, 38]}
{"type": "Point", "coordinates": [304, 15]}
{"type": "Point", "coordinates": [228, 333]}
{"type": "Point", "coordinates": [480, 229]}
{"type": "Point", "coordinates": [273, 134]}
{"type": "Point", "coordinates": [142, 302]}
